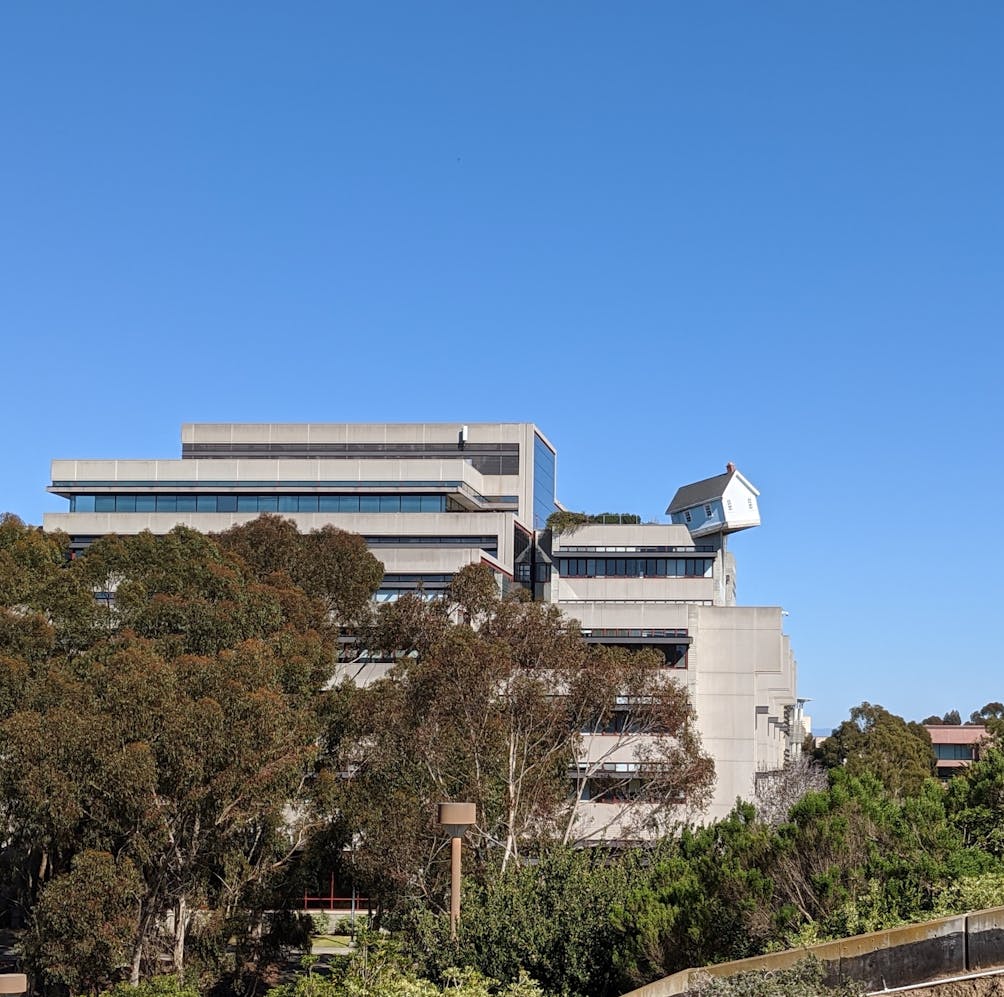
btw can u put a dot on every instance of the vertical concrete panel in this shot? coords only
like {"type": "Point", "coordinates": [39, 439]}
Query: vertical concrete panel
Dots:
{"type": "Point", "coordinates": [985, 937]}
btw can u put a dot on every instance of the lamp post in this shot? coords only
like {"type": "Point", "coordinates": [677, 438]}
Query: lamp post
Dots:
{"type": "Point", "coordinates": [456, 818]}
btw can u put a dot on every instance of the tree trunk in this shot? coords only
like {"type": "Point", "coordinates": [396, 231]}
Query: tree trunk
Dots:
{"type": "Point", "coordinates": [181, 916]}
{"type": "Point", "coordinates": [136, 963]}
{"type": "Point", "coordinates": [137, 958]}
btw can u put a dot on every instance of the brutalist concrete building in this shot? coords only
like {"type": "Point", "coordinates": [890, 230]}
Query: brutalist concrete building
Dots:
{"type": "Point", "coordinates": [432, 497]}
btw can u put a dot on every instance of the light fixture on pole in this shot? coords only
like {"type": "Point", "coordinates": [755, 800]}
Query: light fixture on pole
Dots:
{"type": "Point", "coordinates": [456, 818]}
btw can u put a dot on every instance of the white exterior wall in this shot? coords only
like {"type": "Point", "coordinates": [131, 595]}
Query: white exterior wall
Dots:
{"type": "Point", "coordinates": [745, 511]}
{"type": "Point", "coordinates": [277, 474]}
{"type": "Point", "coordinates": [739, 659]}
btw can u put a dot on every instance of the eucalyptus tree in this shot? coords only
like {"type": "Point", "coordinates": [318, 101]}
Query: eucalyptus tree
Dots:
{"type": "Point", "coordinates": [173, 724]}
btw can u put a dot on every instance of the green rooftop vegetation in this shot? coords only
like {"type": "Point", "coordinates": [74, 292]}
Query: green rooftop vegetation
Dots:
{"type": "Point", "coordinates": [566, 521]}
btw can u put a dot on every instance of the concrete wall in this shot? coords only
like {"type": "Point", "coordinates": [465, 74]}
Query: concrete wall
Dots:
{"type": "Point", "coordinates": [277, 473]}
{"type": "Point", "coordinates": [406, 559]}
{"type": "Point", "coordinates": [609, 539]}
{"type": "Point", "coordinates": [897, 957]}
{"type": "Point", "coordinates": [521, 433]}
{"type": "Point", "coordinates": [740, 660]}
{"type": "Point", "coordinates": [614, 589]}
{"type": "Point", "coordinates": [616, 535]}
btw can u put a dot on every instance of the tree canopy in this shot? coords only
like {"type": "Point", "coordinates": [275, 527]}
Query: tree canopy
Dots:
{"type": "Point", "coordinates": [161, 710]}
{"type": "Point", "coordinates": [876, 741]}
{"type": "Point", "coordinates": [495, 714]}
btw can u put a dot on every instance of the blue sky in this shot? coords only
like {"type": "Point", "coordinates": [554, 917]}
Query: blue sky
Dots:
{"type": "Point", "coordinates": [671, 234]}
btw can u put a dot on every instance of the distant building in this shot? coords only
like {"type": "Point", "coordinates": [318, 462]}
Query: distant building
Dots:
{"type": "Point", "coordinates": [955, 745]}
{"type": "Point", "coordinates": [430, 498]}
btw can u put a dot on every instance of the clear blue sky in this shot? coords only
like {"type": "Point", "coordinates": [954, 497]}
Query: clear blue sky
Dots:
{"type": "Point", "coordinates": [672, 234]}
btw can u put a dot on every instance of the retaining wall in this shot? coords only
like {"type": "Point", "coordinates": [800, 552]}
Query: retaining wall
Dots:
{"type": "Point", "coordinates": [896, 957]}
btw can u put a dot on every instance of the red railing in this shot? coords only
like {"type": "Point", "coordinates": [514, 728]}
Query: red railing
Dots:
{"type": "Point", "coordinates": [350, 905]}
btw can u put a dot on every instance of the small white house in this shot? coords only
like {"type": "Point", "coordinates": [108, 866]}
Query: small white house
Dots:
{"type": "Point", "coordinates": [723, 504]}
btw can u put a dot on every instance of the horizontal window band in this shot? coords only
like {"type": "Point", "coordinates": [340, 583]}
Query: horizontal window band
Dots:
{"type": "Point", "coordinates": [271, 485]}
{"type": "Point", "coordinates": [691, 549]}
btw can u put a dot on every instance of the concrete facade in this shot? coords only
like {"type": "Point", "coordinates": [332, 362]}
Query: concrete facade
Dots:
{"type": "Point", "coordinates": [431, 498]}
{"type": "Point", "coordinates": [738, 668]}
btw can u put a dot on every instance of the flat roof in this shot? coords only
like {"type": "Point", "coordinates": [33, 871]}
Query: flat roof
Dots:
{"type": "Point", "coordinates": [956, 733]}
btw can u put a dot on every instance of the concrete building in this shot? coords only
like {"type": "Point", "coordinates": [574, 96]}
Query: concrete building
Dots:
{"type": "Point", "coordinates": [429, 498]}
{"type": "Point", "coordinates": [432, 497]}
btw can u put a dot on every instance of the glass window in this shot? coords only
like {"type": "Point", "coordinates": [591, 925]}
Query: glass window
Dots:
{"type": "Point", "coordinates": [165, 503]}
{"type": "Point", "coordinates": [487, 465]}
{"type": "Point", "coordinates": [104, 503]}
{"type": "Point", "coordinates": [369, 503]}
{"type": "Point", "coordinates": [433, 503]}
{"type": "Point", "coordinates": [125, 503]}
{"type": "Point", "coordinates": [226, 503]}
{"type": "Point", "coordinates": [543, 482]}
{"type": "Point", "coordinates": [328, 503]}
{"type": "Point", "coordinates": [247, 503]}
{"type": "Point", "coordinates": [205, 503]}
{"type": "Point", "coordinates": [186, 503]}
{"type": "Point", "coordinates": [348, 503]}
{"type": "Point", "coordinates": [289, 503]}
{"type": "Point", "coordinates": [268, 503]}
{"type": "Point", "coordinates": [390, 503]}
{"type": "Point", "coordinates": [411, 503]}
{"type": "Point", "coordinates": [82, 503]}
{"type": "Point", "coordinates": [146, 503]}
{"type": "Point", "coordinates": [591, 566]}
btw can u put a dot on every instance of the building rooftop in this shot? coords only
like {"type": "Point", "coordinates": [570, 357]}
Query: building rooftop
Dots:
{"type": "Point", "coordinates": [700, 491]}
{"type": "Point", "coordinates": [956, 733]}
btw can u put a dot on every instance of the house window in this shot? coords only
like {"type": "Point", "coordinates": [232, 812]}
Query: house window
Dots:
{"type": "Point", "coordinates": [728, 504]}
{"type": "Point", "coordinates": [750, 501]}
{"type": "Point", "coordinates": [686, 515]}
{"type": "Point", "coordinates": [707, 510]}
